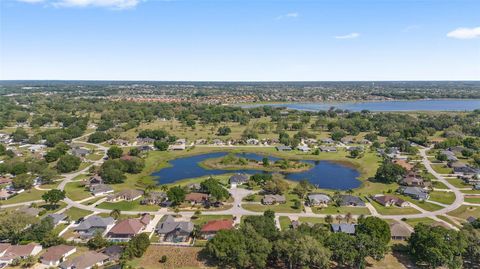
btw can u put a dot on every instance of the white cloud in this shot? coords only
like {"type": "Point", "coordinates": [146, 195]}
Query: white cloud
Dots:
{"type": "Point", "coordinates": [348, 36]}
{"type": "Point", "coordinates": [116, 4]}
{"type": "Point", "coordinates": [291, 15]}
{"type": "Point", "coordinates": [465, 33]}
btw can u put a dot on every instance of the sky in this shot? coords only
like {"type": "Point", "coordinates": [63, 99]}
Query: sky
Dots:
{"type": "Point", "coordinates": [240, 40]}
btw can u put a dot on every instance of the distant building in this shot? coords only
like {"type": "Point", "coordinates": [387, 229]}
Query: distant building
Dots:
{"type": "Point", "coordinates": [347, 228]}
{"type": "Point", "coordinates": [350, 200]}
{"type": "Point", "coordinates": [176, 232]}
{"type": "Point", "coordinates": [399, 231]}
{"type": "Point", "coordinates": [283, 148]}
{"type": "Point", "coordinates": [271, 199]}
{"type": "Point", "coordinates": [239, 179]}
{"type": "Point", "coordinates": [318, 199]}
{"type": "Point", "coordinates": [210, 229]}
{"type": "Point", "coordinates": [415, 192]}
{"type": "Point", "coordinates": [57, 254]}
{"type": "Point", "coordinates": [87, 260]}
{"type": "Point", "coordinates": [390, 200]}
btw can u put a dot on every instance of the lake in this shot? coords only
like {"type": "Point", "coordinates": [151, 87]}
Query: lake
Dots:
{"type": "Point", "coordinates": [324, 174]}
{"type": "Point", "coordinates": [415, 105]}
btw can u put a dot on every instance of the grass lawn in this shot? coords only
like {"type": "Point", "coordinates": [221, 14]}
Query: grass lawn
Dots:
{"type": "Point", "coordinates": [76, 191]}
{"type": "Point", "coordinates": [311, 220]}
{"type": "Point", "coordinates": [458, 183]}
{"type": "Point", "coordinates": [177, 257]}
{"type": "Point", "coordinates": [422, 204]}
{"type": "Point", "coordinates": [439, 185]}
{"type": "Point", "coordinates": [80, 177]}
{"type": "Point", "coordinates": [473, 199]}
{"type": "Point", "coordinates": [285, 222]}
{"type": "Point", "coordinates": [415, 222]}
{"type": "Point", "coordinates": [281, 208]}
{"type": "Point", "coordinates": [26, 196]}
{"type": "Point", "coordinates": [394, 210]}
{"type": "Point", "coordinates": [202, 219]}
{"type": "Point", "coordinates": [442, 168]}
{"type": "Point", "coordinates": [466, 211]}
{"type": "Point", "coordinates": [76, 213]}
{"type": "Point", "coordinates": [94, 157]}
{"type": "Point", "coordinates": [447, 219]}
{"type": "Point", "coordinates": [92, 201]}
{"type": "Point", "coordinates": [442, 197]}
{"type": "Point", "coordinates": [355, 210]}
{"type": "Point", "coordinates": [59, 228]}
{"type": "Point", "coordinates": [128, 206]}
{"type": "Point", "coordinates": [471, 191]}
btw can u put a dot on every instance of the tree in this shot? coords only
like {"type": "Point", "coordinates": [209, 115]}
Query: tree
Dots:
{"type": "Point", "coordinates": [115, 213]}
{"type": "Point", "coordinates": [224, 130]}
{"type": "Point", "coordinates": [19, 135]}
{"type": "Point", "coordinates": [111, 175]}
{"type": "Point", "coordinates": [471, 234]}
{"type": "Point", "coordinates": [68, 163]}
{"type": "Point", "coordinates": [160, 145]}
{"type": "Point", "coordinates": [329, 219]}
{"type": "Point", "coordinates": [378, 230]}
{"type": "Point", "coordinates": [302, 251]}
{"type": "Point", "coordinates": [265, 162]}
{"type": "Point", "coordinates": [12, 226]}
{"type": "Point", "coordinates": [213, 187]}
{"type": "Point", "coordinates": [441, 157]}
{"type": "Point", "coordinates": [54, 196]}
{"type": "Point", "coordinates": [437, 246]}
{"type": "Point", "coordinates": [389, 172]}
{"type": "Point", "coordinates": [99, 137]}
{"type": "Point", "coordinates": [176, 195]}
{"type": "Point", "coordinates": [136, 246]}
{"type": "Point", "coordinates": [355, 153]}
{"type": "Point", "coordinates": [97, 241]}
{"type": "Point", "coordinates": [134, 152]}
{"type": "Point", "coordinates": [23, 181]}
{"type": "Point", "coordinates": [114, 152]}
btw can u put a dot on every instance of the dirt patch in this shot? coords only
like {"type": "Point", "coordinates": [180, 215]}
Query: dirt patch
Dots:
{"type": "Point", "coordinates": [177, 257]}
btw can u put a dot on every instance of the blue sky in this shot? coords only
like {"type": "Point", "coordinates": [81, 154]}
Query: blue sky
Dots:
{"type": "Point", "coordinates": [240, 40]}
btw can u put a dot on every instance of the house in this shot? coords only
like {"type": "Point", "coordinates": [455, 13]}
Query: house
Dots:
{"type": "Point", "coordinates": [218, 142]}
{"type": "Point", "coordinates": [318, 199]}
{"type": "Point", "coordinates": [196, 197]}
{"type": "Point", "coordinates": [238, 179]}
{"type": "Point", "coordinates": [145, 148]}
{"type": "Point", "coordinates": [118, 142]}
{"type": "Point", "coordinates": [347, 228]}
{"type": "Point", "coordinates": [125, 229]}
{"type": "Point", "coordinates": [271, 199]}
{"type": "Point", "coordinates": [390, 200]}
{"type": "Point", "coordinates": [328, 149]}
{"type": "Point", "coordinates": [347, 140]}
{"type": "Point", "coordinates": [177, 147]}
{"type": "Point", "coordinates": [153, 198]}
{"type": "Point", "coordinates": [100, 189]}
{"type": "Point", "coordinates": [476, 186]}
{"type": "Point", "coordinates": [210, 229]}
{"type": "Point", "coordinates": [113, 252]}
{"type": "Point", "coordinates": [87, 260]}
{"type": "Point", "coordinates": [450, 155]}
{"type": "Point", "coordinates": [303, 148]}
{"type": "Point", "coordinates": [350, 200]}
{"type": "Point", "coordinates": [411, 179]}
{"type": "Point", "coordinates": [94, 180]}
{"type": "Point", "coordinates": [37, 148]}
{"type": "Point", "coordinates": [471, 219]}
{"type": "Point", "coordinates": [94, 224]}
{"type": "Point", "coordinates": [58, 218]}
{"type": "Point", "coordinates": [57, 254]}
{"type": "Point", "coordinates": [125, 195]}
{"type": "Point", "coordinates": [399, 231]}
{"type": "Point", "coordinates": [5, 180]}
{"type": "Point", "coordinates": [80, 152]}
{"type": "Point", "coordinates": [328, 141]}
{"type": "Point", "coordinates": [5, 194]}
{"type": "Point", "coordinates": [13, 252]}
{"type": "Point", "coordinates": [415, 192]}
{"type": "Point", "coordinates": [252, 141]}
{"type": "Point", "coordinates": [145, 140]}
{"type": "Point", "coordinates": [176, 232]}
{"type": "Point", "coordinates": [283, 148]}
{"type": "Point", "coordinates": [462, 169]}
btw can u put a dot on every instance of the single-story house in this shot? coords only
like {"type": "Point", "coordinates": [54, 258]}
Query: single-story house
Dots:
{"type": "Point", "coordinates": [58, 218]}
{"type": "Point", "coordinates": [93, 224]}
{"type": "Point", "coordinates": [328, 141]}
{"type": "Point", "coordinates": [80, 152]}
{"type": "Point", "coordinates": [145, 140]}
{"type": "Point", "coordinates": [177, 147]}
{"type": "Point", "coordinates": [450, 155]}
{"type": "Point", "coordinates": [153, 198]}
{"type": "Point", "coordinates": [347, 228]}
{"type": "Point", "coordinates": [87, 260]}
{"type": "Point", "coordinates": [271, 199]}
{"type": "Point", "coordinates": [318, 199]}
{"type": "Point", "coordinates": [145, 148]}
{"type": "Point", "coordinates": [170, 230]}
{"type": "Point", "coordinates": [125, 229]}
{"type": "Point", "coordinates": [6, 194]}
{"type": "Point", "coordinates": [350, 200]}
{"type": "Point", "coordinates": [94, 180]}
{"type": "Point", "coordinates": [303, 148]}
{"type": "Point", "coordinates": [399, 231]}
{"type": "Point", "coordinates": [414, 192]}
{"type": "Point", "coordinates": [283, 148]}
{"type": "Point", "coordinates": [390, 200]}
{"type": "Point", "coordinates": [238, 179]}
{"type": "Point", "coordinates": [57, 254]}
{"type": "Point", "coordinates": [113, 252]}
{"type": "Point", "coordinates": [328, 149]}
{"type": "Point", "coordinates": [210, 229]}
{"type": "Point", "coordinates": [5, 180]}
{"type": "Point", "coordinates": [196, 197]}
{"type": "Point", "coordinates": [125, 195]}
{"type": "Point", "coordinates": [12, 252]}
{"type": "Point", "coordinates": [100, 189]}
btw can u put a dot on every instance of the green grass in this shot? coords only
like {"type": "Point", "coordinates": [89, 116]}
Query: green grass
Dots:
{"type": "Point", "coordinates": [471, 191]}
{"type": "Point", "coordinates": [458, 183]}
{"type": "Point", "coordinates": [92, 201]}
{"type": "Point", "coordinates": [284, 222]}
{"type": "Point", "coordinates": [447, 219]}
{"type": "Point", "coordinates": [439, 185]}
{"type": "Point", "coordinates": [76, 213]}
{"type": "Point", "coordinates": [94, 157]}
{"type": "Point", "coordinates": [465, 211]}
{"type": "Point", "coordinates": [76, 191]}
{"type": "Point", "coordinates": [281, 208]}
{"type": "Point", "coordinates": [128, 206]}
{"type": "Point", "coordinates": [394, 210]}
{"type": "Point", "coordinates": [415, 222]}
{"type": "Point", "coordinates": [312, 220]}
{"type": "Point", "coordinates": [202, 219]}
{"type": "Point", "coordinates": [26, 196]}
{"type": "Point", "coordinates": [331, 210]}
{"type": "Point", "coordinates": [60, 227]}
{"type": "Point", "coordinates": [422, 204]}
{"type": "Point", "coordinates": [472, 199]}
{"type": "Point", "coordinates": [442, 168]}
{"type": "Point", "coordinates": [442, 197]}
{"type": "Point", "coordinates": [80, 177]}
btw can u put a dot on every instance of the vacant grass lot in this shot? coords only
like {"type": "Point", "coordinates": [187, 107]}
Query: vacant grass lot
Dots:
{"type": "Point", "coordinates": [202, 219]}
{"type": "Point", "coordinates": [415, 222]}
{"type": "Point", "coordinates": [76, 213]}
{"type": "Point", "coordinates": [285, 222]}
{"type": "Point", "coordinates": [312, 220]}
{"type": "Point", "coordinates": [281, 208]}
{"type": "Point", "coordinates": [442, 168]}
{"type": "Point", "coordinates": [128, 206]}
{"type": "Point", "coordinates": [473, 199]}
{"type": "Point", "coordinates": [332, 210]}
{"type": "Point", "coordinates": [76, 191]}
{"type": "Point", "coordinates": [177, 257]}
{"type": "Point", "coordinates": [442, 197]}
{"type": "Point", "coordinates": [465, 211]}
{"type": "Point", "coordinates": [394, 210]}
{"type": "Point", "coordinates": [26, 196]}
{"type": "Point", "coordinates": [458, 183]}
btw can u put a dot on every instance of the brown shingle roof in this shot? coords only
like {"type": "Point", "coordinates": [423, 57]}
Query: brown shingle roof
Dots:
{"type": "Point", "coordinates": [217, 225]}
{"type": "Point", "coordinates": [127, 226]}
{"type": "Point", "coordinates": [56, 253]}
{"type": "Point", "coordinates": [196, 197]}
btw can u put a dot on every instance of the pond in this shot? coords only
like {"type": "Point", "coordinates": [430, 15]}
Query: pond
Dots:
{"type": "Point", "coordinates": [323, 174]}
{"type": "Point", "coordinates": [413, 105]}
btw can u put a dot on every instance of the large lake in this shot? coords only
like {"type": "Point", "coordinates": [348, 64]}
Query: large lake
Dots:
{"type": "Point", "coordinates": [324, 174]}
{"type": "Point", "coordinates": [417, 105]}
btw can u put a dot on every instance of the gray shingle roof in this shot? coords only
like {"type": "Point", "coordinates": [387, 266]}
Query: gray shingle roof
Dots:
{"type": "Point", "coordinates": [347, 228]}
{"type": "Point", "coordinates": [95, 222]}
{"type": "Point", "coordinates": [170, 225]}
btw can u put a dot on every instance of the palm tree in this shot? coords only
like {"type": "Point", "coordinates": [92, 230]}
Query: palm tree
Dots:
{"type": "Point", "coordinates": [348, 217]}
{"type": "Point", "coordinates": [164, 188]}
{"type": "Point", "coordinates": [350, 191]}
{"type": "Point", "coordinates": [115, 213]}
{"type": "Point", "coordinates": [339, 218]}
{"type": "Point", "coordinates": [329, 219]}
